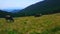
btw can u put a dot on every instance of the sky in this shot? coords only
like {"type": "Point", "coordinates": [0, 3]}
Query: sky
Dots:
{"type": "Point", "coordinates": [8, 4]}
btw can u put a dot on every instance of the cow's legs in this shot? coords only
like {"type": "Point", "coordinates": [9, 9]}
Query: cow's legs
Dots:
{"type": "Point", "coordinates": [11, 20]}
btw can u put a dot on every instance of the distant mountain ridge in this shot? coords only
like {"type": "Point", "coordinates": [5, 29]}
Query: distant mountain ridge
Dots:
{"type": "Point", "coordinates": [12, 10]}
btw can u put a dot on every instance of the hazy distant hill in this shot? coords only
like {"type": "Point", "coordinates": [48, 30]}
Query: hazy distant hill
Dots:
{"type": "Point", "coordinates": [13, 10]}
{"type": "Point", "coordinates": [44, 7]}
{"type": "Point", "coordinates": [16, 10]}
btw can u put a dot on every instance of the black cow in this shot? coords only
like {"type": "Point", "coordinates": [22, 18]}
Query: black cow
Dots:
{"type": "Point", "coordinates": [38, 15]}
{"type": "Point", "coordinates": [9, 18]}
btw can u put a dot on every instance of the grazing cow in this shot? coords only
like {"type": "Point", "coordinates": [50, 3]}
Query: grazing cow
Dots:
{"type": "Point", "coordinates": [9, 18]}
{"type": "Point", "coordinates": [38, 15]}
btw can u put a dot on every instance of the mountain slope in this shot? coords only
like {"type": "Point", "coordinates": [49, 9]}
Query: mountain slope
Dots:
{"type": "Point", "coordinates": [44, 7]}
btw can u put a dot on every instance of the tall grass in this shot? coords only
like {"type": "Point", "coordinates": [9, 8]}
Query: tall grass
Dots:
{"type": "Point", "coordinates": [46, 24]}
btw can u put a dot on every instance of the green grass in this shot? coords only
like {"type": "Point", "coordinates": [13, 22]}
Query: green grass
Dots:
{"type": "Point", "coordinates": [46, 24]}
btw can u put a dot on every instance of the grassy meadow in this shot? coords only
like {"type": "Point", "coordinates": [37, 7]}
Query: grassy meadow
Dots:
{"type": "Point", "coordinates": [46, 24]}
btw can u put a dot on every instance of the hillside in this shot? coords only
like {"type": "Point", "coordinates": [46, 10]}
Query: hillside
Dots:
{"type": "Point", "coordinates": [3, 13]}
{"type": "Point", "coordinates": [46, 24]}
{"type": "Point", "coordinates": [44, 7]}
